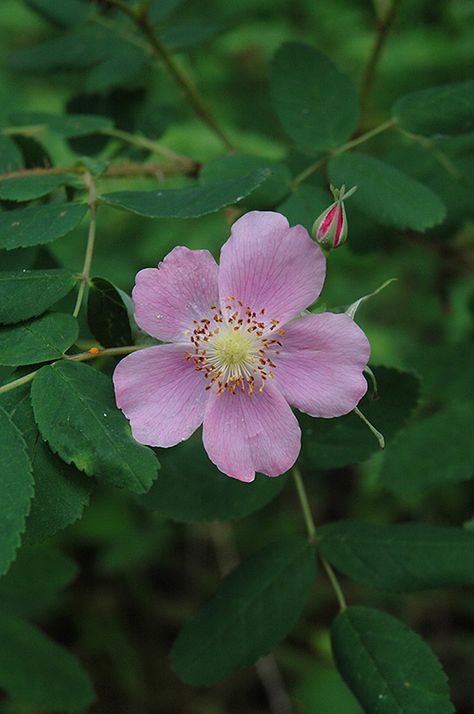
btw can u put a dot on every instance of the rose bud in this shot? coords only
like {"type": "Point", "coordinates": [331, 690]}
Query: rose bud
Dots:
{"type": "Point", "coordinates": [330, 228]}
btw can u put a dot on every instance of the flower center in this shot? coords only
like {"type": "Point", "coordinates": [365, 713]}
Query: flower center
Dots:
{"type": "Point", "coordinates": [234, 348]}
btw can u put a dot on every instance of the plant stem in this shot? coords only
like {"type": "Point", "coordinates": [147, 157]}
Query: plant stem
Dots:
{"type": "Point", "coordinates": [154, 147]}
{"type": "Point", "coordinates": [89, 181]}
{"type": "Point", "coordinates": [93, 353]}
{"type": "Point", "coordinates": [141, 20]}
{"type": "Point", "coordinates": [340, 150]}
{"type": "Point", "coordinates": [124, 169]}
{"type": "Point", "coordinates": [383, 28]}
{"type": "Point", "coordinates": [312, 536]}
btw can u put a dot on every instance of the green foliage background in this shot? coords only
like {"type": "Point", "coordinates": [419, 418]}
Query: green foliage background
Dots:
{"type": "Point", "coordinates": [116, 586]}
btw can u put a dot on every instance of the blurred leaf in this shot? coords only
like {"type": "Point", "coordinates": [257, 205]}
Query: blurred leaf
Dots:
{"type": "Point", "coordinates": [34, 581]}
{"type": "Point", "coordinates": [27, 293]}
{"type": "Point", "coordinates": [116, 71]}
{"type": "Point", "coordinates": [37, 225]}
{"type": "Point", "coordinates": [324, 692]}
{"type": "Point", "coordinates": [188, 202]}
{"type": "Point", "coordinates": [305, 204]}
{"type": "Point", "coordinates": [447, 369]}
{"type": "Point", "coordinates": [190, 488]}
{"type": "Point", "coordinates": [64, 13]}
{"type": "Point", "coordinates": [403, 558]}
{"type": "Point", "coordinates": [66, 125]}
{"type": "Point", "coordinates": [387, 666]}
{"type": "Point", "coordinates": [271, 191]}
{"type": "Point", "coordinates": [333, 443]}
{"type": "Point", "coordinates": [38, 672]}
{"type": "Point", "coordinates": [256, 606]}
{"type": "Point", "coordinates": [16, 489]}
{"type": "Point", "coordinates": [432, 452]}
{"type": "Point", "coordinates": [61, 492]}
{"type": "Point", "coordinates": [386, 194]}
{"type": "Point", "coordinates": [10, 155]}
{"type": "Point", "coordinates": [45, 338]}
{"type": "Point", "coordinates": [444, 110]}
{"type": "Point", "coordinates": [161, 9]}
{"type": "Point", "coordinates": [25, 188]}
{"type": "Point", "coordinates": [75, 411]}
{"type": "Point", "coordinates": [317, 105]}
{"type": "Point", "coordinates": [107, 314]}
{"type": "Point", "coordinates": [189, 34]}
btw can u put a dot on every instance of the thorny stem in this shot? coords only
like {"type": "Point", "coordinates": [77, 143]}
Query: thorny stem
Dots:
{"type": "Point", "coordinates": [340, 150]}
{"type": "Point", "coordinates": [89, 181]}
{"type": "Point", "coordinates": [141, 20]}
{"type": "Point", "coordinates": [384, 26]}
{"type": "Point", "coordinates": [312, 536]}
{"type": "Point", "coordinates": [81, 357]}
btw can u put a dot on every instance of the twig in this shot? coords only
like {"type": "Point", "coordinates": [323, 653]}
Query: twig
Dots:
{"type": "Point", "coordinates": [383, 28]}
{"type": "Point", "coordinates": [90, 184]}
{"type": "Point", "coordinates": [118, 170]}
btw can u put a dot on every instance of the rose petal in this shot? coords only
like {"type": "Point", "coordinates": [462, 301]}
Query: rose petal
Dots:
{"type": "Point", "coordinates": [181, 289]}
{"type": "Point", "coordinates": [161, 394]}
{"type": "Point", "coordinates": [268, 265]}
{"type": "Point", "coordinates": [245, 434]}
{"type": "Point", "coordinates": [319, 370]}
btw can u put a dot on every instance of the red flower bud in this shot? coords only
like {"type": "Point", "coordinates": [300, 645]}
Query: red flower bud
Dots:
{"type": "Point", "coordinates": [330, 228]}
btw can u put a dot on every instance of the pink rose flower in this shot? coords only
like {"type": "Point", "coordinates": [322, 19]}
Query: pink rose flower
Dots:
{"type": "Point", "coordinates": [240, 352]}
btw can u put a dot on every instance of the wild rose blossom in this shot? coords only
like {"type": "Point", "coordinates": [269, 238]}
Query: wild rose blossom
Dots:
{"type": "Point", "coordinates": [240, 352]}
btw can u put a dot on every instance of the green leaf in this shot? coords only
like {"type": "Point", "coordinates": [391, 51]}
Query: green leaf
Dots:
{"type": "Point", "coordinates": [66, 125]}
{"type": "Point", "coordinates": [333, 443]}
{"type": "Point", "coordinates": [65, 13]}
{"type": "Point", "coordinates": [444, 110]}
{"type": "Point", "coordinates": [305, 204]}
{"type": "Point", "coordinates": [161, 9]}
{"type": "Point", "coordinates": [388, 667]}
{"type": "Point", "coordinates": [34, 581]}
{"type": "Point", "coordinates": [75, 410]}
{"type": "Point", "coordinates": [256, 606]}
{"type": "Point", "coordinates": [317, 105]}
{"type": "Point", "coordinates": [116, 71]}
{"type": "Point", "coordinates": [27, 293]}
{"type": "Point", "coordinates": [61, 492]}
{"type": "Point", "coordinates": [38, 672]}
{"type": "Point", "coordinates": [189, 202]}
{"type": "Point", "coordinates": [403, 558]}
{"type": "Point", "coordinates": [107, 314]}
{"type": "Point", "coordinates": [324, 692]}
{"type": "Point", "coordinates": [16, 489]}
{"type": "Point", "coordinates": [37, 225]}
{"type": "Point", "coordinates": [272, 190]}
{"type": "Point", "coordinates": [385, 194]}
{"type": "Point", "coordinates": [26, 188]}
{"type": "Point", "coordinates": [11, 158]}
{"type": "Point", "coordinates": [45, 338]}
{"type": "Point", "coordinates": [189, 33]}
{"type": "Point", "coordinates": [189, 488]}
{"type": "Point", "coordinates": [432, 452]}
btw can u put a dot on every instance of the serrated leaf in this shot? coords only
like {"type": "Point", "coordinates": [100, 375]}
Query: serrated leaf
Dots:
{"type": "Point", "coordinates": [385, 194]}
{"type": "Point", "coordinates": [388, 667]}
{"type": "Point", "coordinates": [10, 155]}
{"type": "Point", "coordinates": [334, 443]}
{"type": "Point", "coordinates": [16, 489]}
{"type": "Point", "coordinates": [189, 202]}
{"type": "Point", "coordinates": [305, 204]}
{"type": "Point", "coordinates": [317, 105]}
{"type": "Point", "coordinates": [403, 558]}
{"type": "Point", "coordinates": [190, 489]}
{"type": "Point", "coordinates": [432, 452]}
{"type": "Point", "coordinates": [75, 411]}
{"type": "Point", "coordinates": [26, 188]}
{"type": "Point", "coordinates": [27, 293]}
{"type": "Point", "coordinates": [253, 610]}
{"type": "Point", "coordinates": [34, 581]}
{"type": "Point", "coordinates": [61, 492]}
{"type": "Point", "coordinates": [37, 225]}
{"type": "Point", "coordinates": [107, 314]}
{"type": "Point", "coordinates": [40, 340]}
{"type": "Point", "coordinates": [37, 672]}
{"type": "Point", "coordinates": [271, 191]}
{"type": "Point", "coordinates": [444, 110]}
{"type": "Point", "coordinates": [66, 125]}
